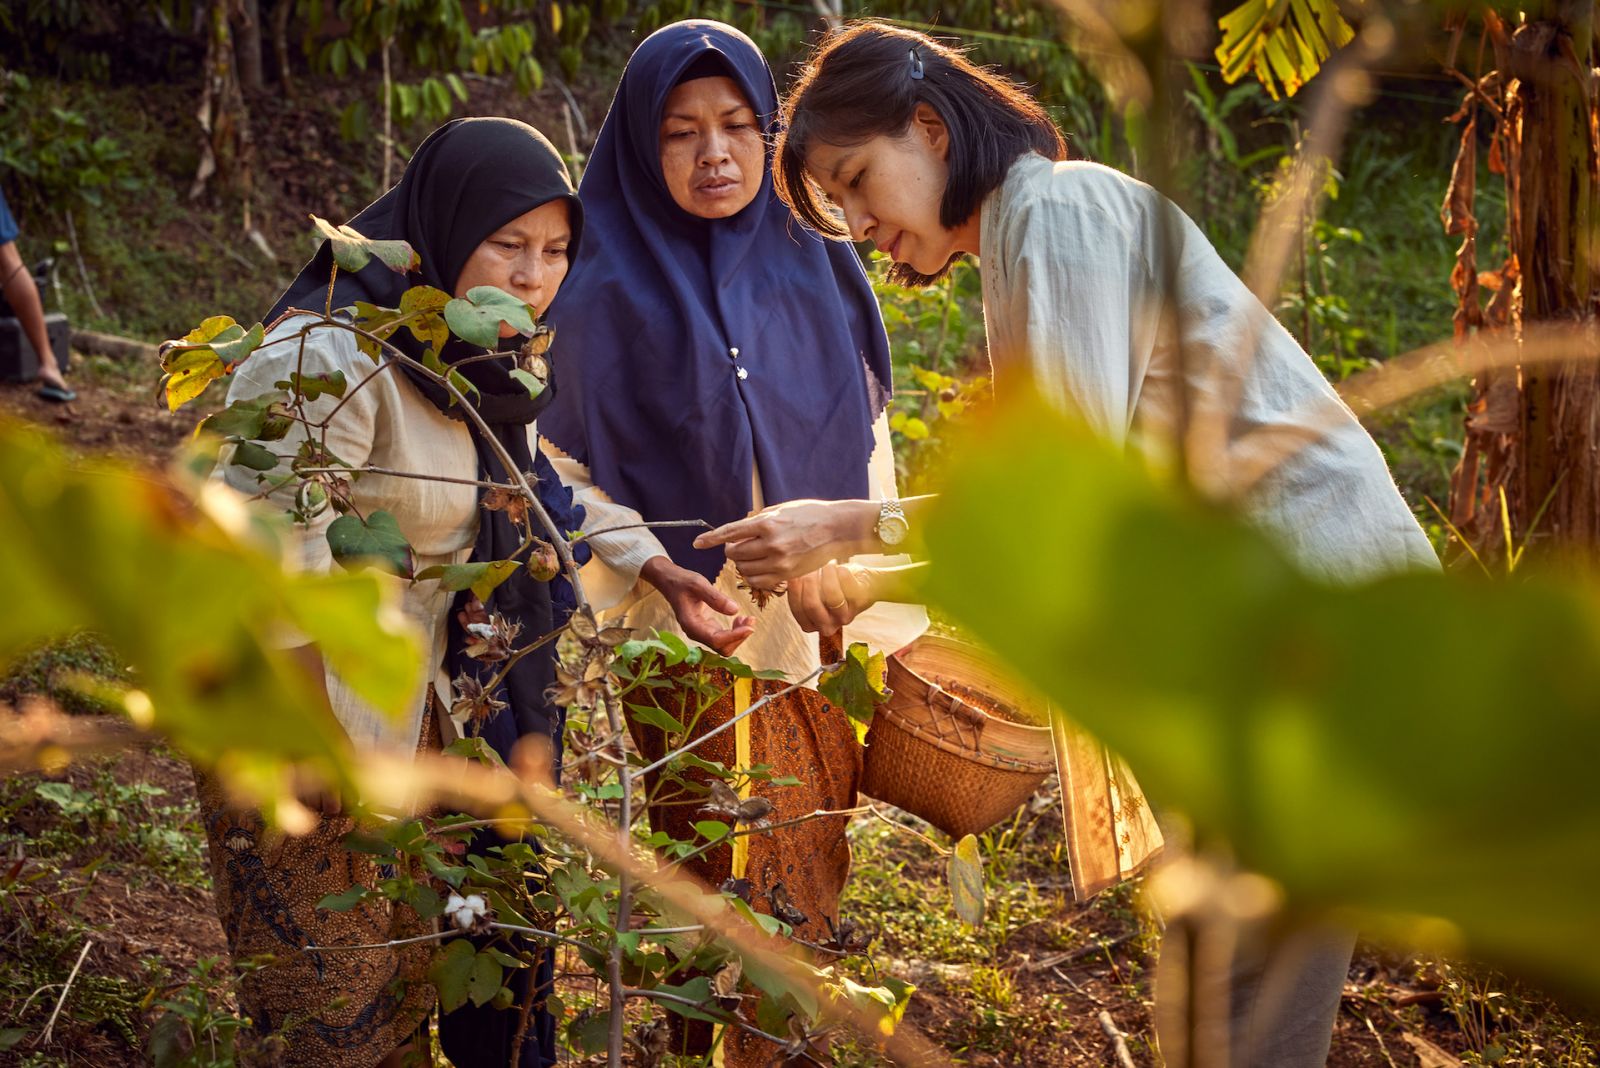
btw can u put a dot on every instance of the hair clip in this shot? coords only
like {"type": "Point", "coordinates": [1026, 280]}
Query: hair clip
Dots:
{"type": "Point", "coordinates": [916, 66]}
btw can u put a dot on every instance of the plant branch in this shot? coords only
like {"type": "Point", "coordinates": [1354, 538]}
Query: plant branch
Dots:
{"type": "Point", "coordinates": [732, 1018]}
{"type": "Point", "coordinates": [624, 883]}
{"type": "Point", "coordinates": [586, 534]}
{"type": "Point", "coordinates": [50, 1026]}
{"type": "Point", "coordinates": [713, 732]}
{"type": "Point", "coordinates": [392, 473]}
{"type": "Point", "coordinates": [557, 539]}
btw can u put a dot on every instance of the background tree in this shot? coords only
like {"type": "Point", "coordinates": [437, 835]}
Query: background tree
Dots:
{"type": "Point", "coordinates": [1528, 470]}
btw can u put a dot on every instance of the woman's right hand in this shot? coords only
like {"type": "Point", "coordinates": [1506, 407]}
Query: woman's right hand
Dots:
{"type": "Point", "coordinates": [795, 538]}
{"type": "Point", "coordinates": [697, 604]}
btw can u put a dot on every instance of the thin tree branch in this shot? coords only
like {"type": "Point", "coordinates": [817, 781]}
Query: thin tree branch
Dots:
{"type": "Point", "coordinates": [713, 732]}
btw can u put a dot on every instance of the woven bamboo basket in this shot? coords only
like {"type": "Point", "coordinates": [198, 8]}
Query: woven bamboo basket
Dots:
{"type": "Point", "coordinates": [937, 750]}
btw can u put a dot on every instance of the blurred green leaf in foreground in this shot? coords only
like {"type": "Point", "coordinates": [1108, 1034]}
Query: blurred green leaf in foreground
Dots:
{"type": "Point", "coordinates": [1418, 748]}
{"type": "Point", "coordinates": [189, 589]}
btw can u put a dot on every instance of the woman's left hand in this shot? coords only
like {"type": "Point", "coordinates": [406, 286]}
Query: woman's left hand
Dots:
{"type": "Point", "coordinates": [830, 598]}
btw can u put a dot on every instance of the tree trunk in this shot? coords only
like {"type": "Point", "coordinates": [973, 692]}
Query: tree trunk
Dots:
{"type": "Point", "coordinates": [280, 42]}
{"type": "Point", "coordinates": [248, 43]}
{"type": "Point", "coordinates": [1533, 431]}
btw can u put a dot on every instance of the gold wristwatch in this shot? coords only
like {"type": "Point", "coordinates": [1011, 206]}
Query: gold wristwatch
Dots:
{"type": "Point", "coordinates": [892, 526]}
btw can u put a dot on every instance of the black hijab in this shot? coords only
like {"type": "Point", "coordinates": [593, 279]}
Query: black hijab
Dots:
{"type": "Point", "coordinates": [466, 180]}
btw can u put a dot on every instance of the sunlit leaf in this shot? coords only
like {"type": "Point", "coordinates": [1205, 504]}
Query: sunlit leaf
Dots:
{"type": "Point", "coordinates": [1283, 42]}
{"type": "Point", "coordinates": [427, 304]}
{"type": "Point", "coordinates": [476, 318]}
{"type": "Point", "coordinates": [352, 251]}
{"type": "Point", "coordinates": [966, 881]}
{"type": "Point", "coordinates": [480, 578]}
{"type": "Point", "coordinates": [857, 686]}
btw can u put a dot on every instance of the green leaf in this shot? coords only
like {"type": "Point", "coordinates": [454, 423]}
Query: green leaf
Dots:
{"type": "Point", "coordinates": [712, 830]}
{"type": "Point", "coordinates": [359, 632]}
{"type": "Point", "coordinates": [352, 251]}
{"type": "Point", "coordinates": [474, 748]}
{"type": "Point", "coordinates": [61, 793]}
{"type": "Point", "coordinates": [966, 881]}
{"type": "Point", "coordinates": [1282, 41]}
{"type": "Point", "coordinates": [234, 350]}
{"type": "Point", "coordinates": [344, 900]}
{"type": "Point", "coordinates": [484, 979]}
{"type": "Point", "coordinates": [529, 382]}
{"type": "Point", "coordinates": [476, 318]}
{"type": "Point", "coordinates": [375, 542]}
{"type": "Point", "coordinates": [652, 716]}
{"type": "Point", "coordinates": [256, 457]}
{"type": "Point", "coordinates": [480, 577]}
{"type": "Point", "coordinates": [676, 649]}
{"type": "Point", "coordinates": [1359, 744]}
{"type": "Point", "coordinates": [451, 972]}
{"type": "Point", "coordinates": [591, 1034]}
{"type": "Point", "coordinates": [857, 686]}
{"type": "Point", "coordinates": [330, 383]}
{"type": "Point", "coordinates": [697, 990]}
{"type": "Point", "coordinates": [10, 1036]}
{"type": "Point", "coordinates": [249, 418]}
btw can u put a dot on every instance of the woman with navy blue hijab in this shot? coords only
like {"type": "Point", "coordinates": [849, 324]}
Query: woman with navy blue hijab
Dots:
{"type": "Point", "coordinates": [723, 358]}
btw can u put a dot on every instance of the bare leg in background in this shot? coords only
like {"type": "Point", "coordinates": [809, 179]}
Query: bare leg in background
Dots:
{"type": "Point", "coordinates": [23, 296]}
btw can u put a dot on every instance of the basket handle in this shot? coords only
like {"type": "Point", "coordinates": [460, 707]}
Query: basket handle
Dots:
{"type": "Point", "coordinates": [956, 706]}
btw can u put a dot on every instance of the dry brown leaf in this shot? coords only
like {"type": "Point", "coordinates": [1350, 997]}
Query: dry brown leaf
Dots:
{"type": "Point", "coordinates": [509, 501]}
{"type": "Point", "coordinates": [1429, 1055]}
{"type": "Point", "coordinates": [725, 984]}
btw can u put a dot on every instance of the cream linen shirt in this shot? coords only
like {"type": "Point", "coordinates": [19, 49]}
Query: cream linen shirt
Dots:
{"type": "Point", "coordinates": [612, 576]}
{"type": "Point", "coordinates": [386, 423]}
{"type": "Point", "coordinates": [1076, 260]}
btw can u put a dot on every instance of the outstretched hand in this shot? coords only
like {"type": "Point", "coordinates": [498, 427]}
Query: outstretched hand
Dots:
{"type": "Point", "coordinates": [699, 606]}
{"type": "Point", "coordinates": [795, 538]}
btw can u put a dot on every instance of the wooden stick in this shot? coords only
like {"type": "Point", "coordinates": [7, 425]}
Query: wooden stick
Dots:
{"type": "Point", "coordinates": [1118, 1045]}
{"type": "Point", "coordinates": [49, 1027]}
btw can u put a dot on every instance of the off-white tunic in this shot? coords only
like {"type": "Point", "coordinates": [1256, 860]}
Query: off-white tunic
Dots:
{"type": "Point", "coordinates": [612, 577]}
{"type": "Point", "coordinates": [386, 423]}
{"type": "Point", "coordinates": [1076, 262]}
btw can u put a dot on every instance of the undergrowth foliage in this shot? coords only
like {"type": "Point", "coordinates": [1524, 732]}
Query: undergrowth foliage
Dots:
{"type": "Point", "coordinates": [533, 888]}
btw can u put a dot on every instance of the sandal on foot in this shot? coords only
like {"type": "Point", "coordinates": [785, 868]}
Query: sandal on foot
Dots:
{"type": "Point", "coordinates": [56, 394]}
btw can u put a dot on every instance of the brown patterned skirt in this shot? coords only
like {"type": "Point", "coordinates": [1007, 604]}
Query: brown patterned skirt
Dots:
{"type": "Point", "coordinates": [343, 1009]}
{"type": "Point", "coordinates": [807, 863]}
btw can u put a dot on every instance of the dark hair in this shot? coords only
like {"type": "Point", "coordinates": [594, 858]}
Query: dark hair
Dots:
{"type": "Point", "coordinates": [866, 80]}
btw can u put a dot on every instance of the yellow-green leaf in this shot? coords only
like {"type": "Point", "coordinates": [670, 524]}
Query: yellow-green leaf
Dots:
{"type": "Point", "coordinates": [966, 881]}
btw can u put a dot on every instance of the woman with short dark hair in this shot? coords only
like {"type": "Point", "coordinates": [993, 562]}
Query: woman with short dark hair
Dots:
{"type": "Point", "coordinates": [1112, 300]}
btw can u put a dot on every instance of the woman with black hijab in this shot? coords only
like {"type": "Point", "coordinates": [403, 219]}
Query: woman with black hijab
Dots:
{"type": "Point", "coordinates": [482, 202]}
{"type": "Point", "coordinates": [726, 358]}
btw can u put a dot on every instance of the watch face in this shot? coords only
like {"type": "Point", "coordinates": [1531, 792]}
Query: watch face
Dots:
{"type": "Point", "coordinates": [892, 529]}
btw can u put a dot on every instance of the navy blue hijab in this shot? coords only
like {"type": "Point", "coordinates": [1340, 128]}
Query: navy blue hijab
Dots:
{"type": "Point", "coordinates": [652, 400]}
